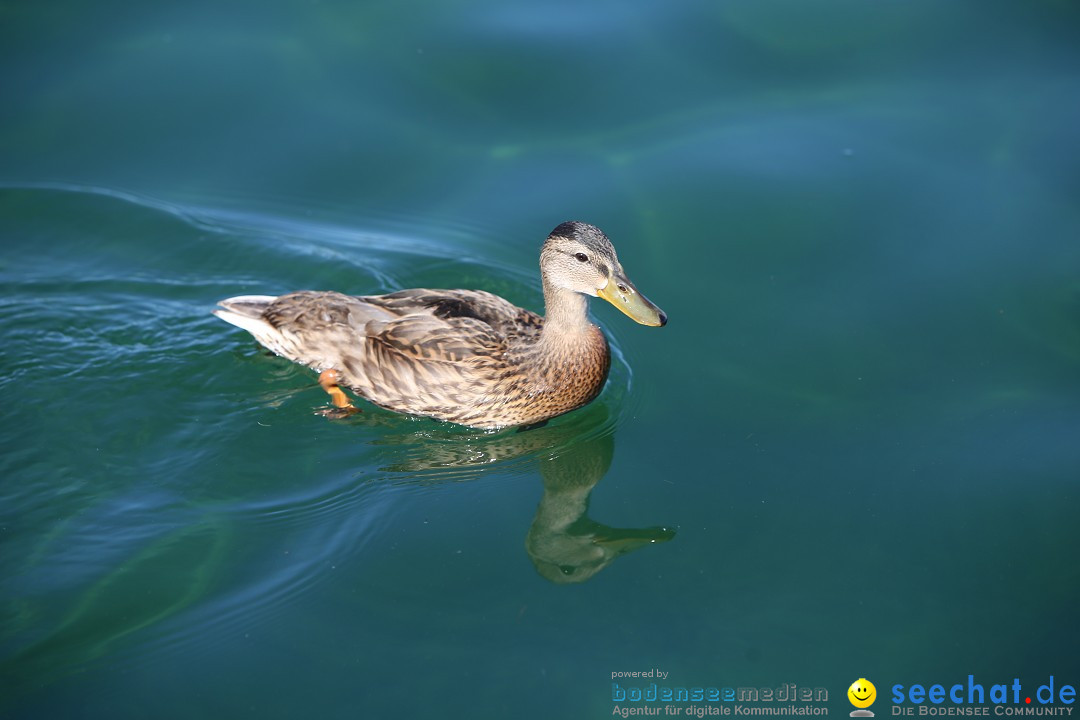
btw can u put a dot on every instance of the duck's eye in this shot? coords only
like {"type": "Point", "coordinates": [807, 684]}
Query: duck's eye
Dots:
{"type": "Point", "coordinates": [582, 257]}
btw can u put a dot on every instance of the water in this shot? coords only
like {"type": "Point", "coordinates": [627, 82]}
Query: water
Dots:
{"type": "Point", "coordinates": [851, 453]}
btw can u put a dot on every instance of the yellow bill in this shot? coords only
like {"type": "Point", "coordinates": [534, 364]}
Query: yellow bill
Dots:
{"type": "Point", "coordinates": [621, 293]}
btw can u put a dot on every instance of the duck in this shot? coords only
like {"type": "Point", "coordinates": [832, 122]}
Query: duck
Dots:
{"type": "Point", "coordinates": [463, 356]}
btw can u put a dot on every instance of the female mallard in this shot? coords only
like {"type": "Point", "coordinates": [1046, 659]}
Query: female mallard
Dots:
{"type": "Point", "coordinates": [466, 356]}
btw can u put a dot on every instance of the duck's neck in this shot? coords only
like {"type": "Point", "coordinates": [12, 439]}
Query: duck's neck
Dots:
{"type": "Point", "coordinates": [566, 314]}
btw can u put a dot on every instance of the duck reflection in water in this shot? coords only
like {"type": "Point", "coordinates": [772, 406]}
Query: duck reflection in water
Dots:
{"type": "Point", "coordinates": [565, 545]}
{"type": "Point", "coordinates": [572, 455]}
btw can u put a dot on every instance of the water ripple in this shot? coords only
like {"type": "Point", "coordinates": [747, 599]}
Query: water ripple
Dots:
{"type": "Point", "coordinates": [184, 465]}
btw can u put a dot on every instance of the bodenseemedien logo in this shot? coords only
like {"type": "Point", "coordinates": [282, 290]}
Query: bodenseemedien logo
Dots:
{"type": "Point", "coordinates": [862, 694]}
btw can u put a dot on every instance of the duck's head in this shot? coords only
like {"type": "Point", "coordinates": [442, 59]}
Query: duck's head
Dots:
{"type": "Point", "coordinates": [579, 257]}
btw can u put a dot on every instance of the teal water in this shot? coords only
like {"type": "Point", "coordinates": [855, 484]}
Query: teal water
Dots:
{"type": "Point", "coordinates": [853, 452]}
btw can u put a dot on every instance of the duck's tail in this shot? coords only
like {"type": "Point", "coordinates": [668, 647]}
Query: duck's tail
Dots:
{"type": "Point", "coordinates": [248, 312]}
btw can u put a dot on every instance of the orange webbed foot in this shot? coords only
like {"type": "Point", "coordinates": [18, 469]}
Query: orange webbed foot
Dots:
{"type": "Point", "coordinates": [329, 380]}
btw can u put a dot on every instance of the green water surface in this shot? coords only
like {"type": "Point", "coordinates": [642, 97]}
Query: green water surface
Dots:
{"type": "Point", "coordinates": [853, 452]}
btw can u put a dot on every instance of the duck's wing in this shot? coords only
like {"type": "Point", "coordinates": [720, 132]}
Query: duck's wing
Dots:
{"type": "Point", "coordinates": [436, 337]}
{"type": "Point", "coordinates": [502, 316]}
{"type": "Point", "coordinates": [428, 338]}
{"type": "Point", "coordinates": [441, 356]}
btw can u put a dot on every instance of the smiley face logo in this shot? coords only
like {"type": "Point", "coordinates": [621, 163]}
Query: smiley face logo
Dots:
{"type": "Point", "coordinates": [862, 694]}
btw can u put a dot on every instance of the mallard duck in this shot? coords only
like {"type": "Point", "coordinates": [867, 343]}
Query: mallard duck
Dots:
{"type": "Point", "coordinates": [465, 356]}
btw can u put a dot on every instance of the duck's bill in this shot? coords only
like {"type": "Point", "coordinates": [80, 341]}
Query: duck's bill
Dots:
{"type": "Point", "coordinates": [625, 539]}
{"type": "Point", "coordinates": [621, 293]}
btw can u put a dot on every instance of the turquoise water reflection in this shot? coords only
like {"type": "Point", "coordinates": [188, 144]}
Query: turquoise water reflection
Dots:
{"type": "Point", "coordinates": [861, 421]}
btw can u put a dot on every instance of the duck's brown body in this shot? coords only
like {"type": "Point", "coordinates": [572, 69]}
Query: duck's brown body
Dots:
{"type": "Point", "coordinates": [465, 356]}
